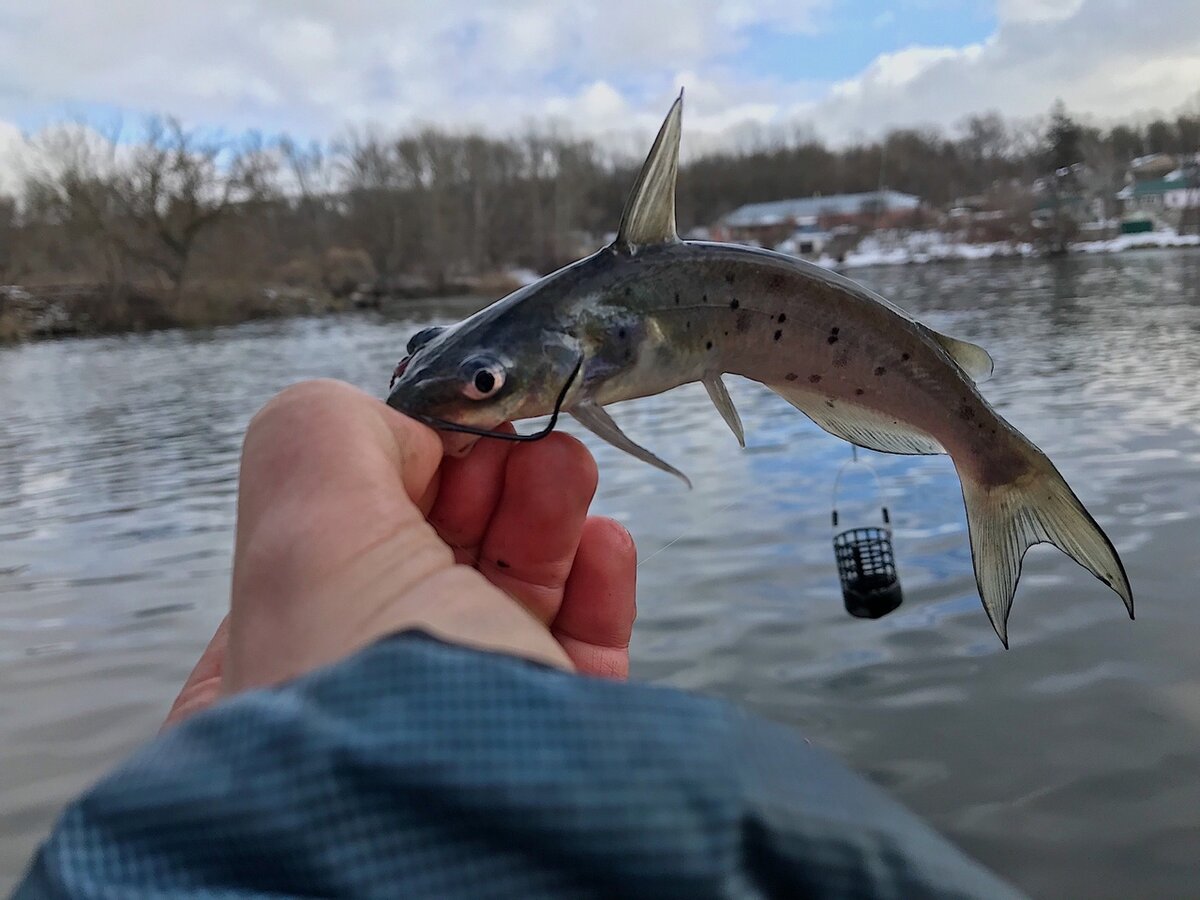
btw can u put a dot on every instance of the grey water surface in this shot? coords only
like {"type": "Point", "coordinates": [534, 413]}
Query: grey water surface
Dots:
{"type": "Point", "coordinates": [1070, 764]}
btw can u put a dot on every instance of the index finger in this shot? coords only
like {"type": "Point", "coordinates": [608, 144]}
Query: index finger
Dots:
{"type": "Point", "coordinates": [328, 439]}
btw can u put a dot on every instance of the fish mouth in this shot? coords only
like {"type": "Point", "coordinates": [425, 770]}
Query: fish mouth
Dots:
{"type": "Point", "coordinates": [445, 425]}
{"type": "Point", "coordinates": [397, 372]}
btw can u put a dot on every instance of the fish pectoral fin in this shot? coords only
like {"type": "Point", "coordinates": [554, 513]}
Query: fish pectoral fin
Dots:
{"type": "Point", "coordinates": [649, 216]}
{"type": "Point", "coordinates": [971, 358]}
{"type": "Point", "coordinates": [859, 425]}
{"type": "Point", "coordinates": [724, 404]}
{"type": "Point", "coordinates": [596, 420]}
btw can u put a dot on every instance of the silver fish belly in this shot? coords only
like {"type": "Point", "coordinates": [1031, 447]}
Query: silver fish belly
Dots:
{"type": "Point", "coordinates": [651, 312]}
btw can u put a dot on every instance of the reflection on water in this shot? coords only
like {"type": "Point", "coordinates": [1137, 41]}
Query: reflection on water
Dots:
{"type": "Point", "coordinates": [1071, 763]}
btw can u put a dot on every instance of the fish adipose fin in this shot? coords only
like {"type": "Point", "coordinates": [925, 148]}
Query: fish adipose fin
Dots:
{"type": "Point", "coordinates": [649, 216]}
{"type": "Point", "coordinates": [971, 358]}
{"type": "Point", "coordinates": [724, 404]}
{"type": "Point", "coordinates": [1008, 519]}
{"type": "Point", "coordinates": [601, 424]}
{"type": "Point", "coordinates": [858, 425]}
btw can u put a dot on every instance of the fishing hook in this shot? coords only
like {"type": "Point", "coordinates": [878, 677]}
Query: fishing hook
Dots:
{"type": "Point", "coordinates": [505, 436]}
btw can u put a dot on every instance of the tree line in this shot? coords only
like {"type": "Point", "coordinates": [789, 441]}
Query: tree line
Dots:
{"type": "Point", "coordinates": [181, 211]}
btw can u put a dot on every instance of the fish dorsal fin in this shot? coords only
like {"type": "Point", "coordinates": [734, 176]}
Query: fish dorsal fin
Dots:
{"type": "Point", "coordinates": [598, 422]}
{"type": "Point", "coordinates": [649, 216]}
{"type": "Point", "coordinates": [971, 358]}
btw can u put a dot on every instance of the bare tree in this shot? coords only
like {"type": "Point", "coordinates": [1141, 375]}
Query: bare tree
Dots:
{"type": "Point", "coordinates": [68, 198]}
{"type": "Point", "coordinates": [174, 185]}
{"type": "Point", "coordinates": [8, 234]}
{"type": "Point", "coordinates": [371, 183]}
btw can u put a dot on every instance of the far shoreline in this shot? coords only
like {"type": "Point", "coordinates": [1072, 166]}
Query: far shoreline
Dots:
{"type": "Point", "coordinates": [61, 321]}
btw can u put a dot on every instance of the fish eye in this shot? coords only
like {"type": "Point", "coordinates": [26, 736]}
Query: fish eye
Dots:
{"type": "Point", "coordinates": [423, 337]}
{"type": "Point", "coordinates": [484, 378]}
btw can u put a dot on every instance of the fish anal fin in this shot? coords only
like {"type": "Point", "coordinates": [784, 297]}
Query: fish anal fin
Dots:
{"type": "Point", "coordinates": [971, 358]}
{"type": "Point", "coordinates": [724, 404]}
{"type": "Point", "coordinates": [649, 216]}
{"type": "Point", "coordinates": [860, 425]}
{"type": "Point", "coordinates": [593, 417]}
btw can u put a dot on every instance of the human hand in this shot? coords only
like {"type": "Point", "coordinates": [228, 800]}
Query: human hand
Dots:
{"type": "Point", "coordinates": [352, 526]}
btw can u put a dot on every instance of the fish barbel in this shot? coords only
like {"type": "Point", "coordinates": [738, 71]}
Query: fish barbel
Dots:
{"type": "Point", "coordinates": [651, 312]}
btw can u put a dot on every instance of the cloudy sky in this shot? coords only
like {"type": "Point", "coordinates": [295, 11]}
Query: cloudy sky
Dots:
{"type": "Point", "coordinates": [845, 67]}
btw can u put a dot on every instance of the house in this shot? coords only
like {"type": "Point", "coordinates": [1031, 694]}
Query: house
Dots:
{"type": "Point", "coordinates": [807, 240]}
{"type": "Point", "coordinates": [1153, 198]}
{"type": "Point", "coordinates": [768, 224]}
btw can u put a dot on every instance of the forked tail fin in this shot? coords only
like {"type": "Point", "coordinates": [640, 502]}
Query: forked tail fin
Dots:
{"type": "Point", "coordinates": [1006, 520]}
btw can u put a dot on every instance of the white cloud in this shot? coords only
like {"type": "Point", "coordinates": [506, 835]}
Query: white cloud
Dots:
{"type": "Point", "coordinates": [1036, 10]}
{"type": "Point", "coordinates": [313, 66]}
{"type": "Point", "coordinates": [1106, 59]}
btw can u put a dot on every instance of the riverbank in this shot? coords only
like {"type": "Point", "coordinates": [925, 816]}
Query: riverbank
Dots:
{"type": "Point", "coordinates": [84, 310]}
{"type": "Point", "coordinates": [43, 312]}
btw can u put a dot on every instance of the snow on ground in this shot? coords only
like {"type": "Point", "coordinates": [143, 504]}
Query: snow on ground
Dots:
{"type": "Point", "coordinates": [1138, 241]}
{"type": "Point", "coordinates": [932, 246]}
{"type": "Point", "coordinates": [523, 277]}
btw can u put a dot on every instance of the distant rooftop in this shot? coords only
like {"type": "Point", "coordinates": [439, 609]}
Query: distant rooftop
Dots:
{"type": "Point", "coordinates": [778, 211]}
{"type": "Point", "coordinates": [1153, 187]}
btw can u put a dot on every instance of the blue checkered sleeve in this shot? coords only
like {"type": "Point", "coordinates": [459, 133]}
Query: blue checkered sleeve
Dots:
{"type": "Point", "coordinates": [421, 769]}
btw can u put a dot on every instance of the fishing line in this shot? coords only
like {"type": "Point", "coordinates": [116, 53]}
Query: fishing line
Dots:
{"type": "Point", "coordinates": [506, 436]}
{"type": "Point", "coordinates": [475, 559]}
{"type": "Point", "coordinates": [685, 534]}
{"type": "Point", "coordinates": [538, 435]}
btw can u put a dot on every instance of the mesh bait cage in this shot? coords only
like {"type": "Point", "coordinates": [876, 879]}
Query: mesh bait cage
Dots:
{"type": "Point", "coordinates": [866, 563]}
{"type": "Point", "coordinates": [867, 571]}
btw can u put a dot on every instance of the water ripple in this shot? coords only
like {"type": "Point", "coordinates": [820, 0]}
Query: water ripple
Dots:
{"type": "Point", "coordinates": [1069, 762]}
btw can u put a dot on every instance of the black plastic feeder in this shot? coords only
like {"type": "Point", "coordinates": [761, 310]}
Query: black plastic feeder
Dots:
{"type": "Point", "coordinates": [865, 561]}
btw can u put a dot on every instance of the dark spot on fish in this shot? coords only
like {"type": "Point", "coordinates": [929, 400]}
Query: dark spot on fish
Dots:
{"type": "Point", "coordinates": [677, 298]}
{"type": "Point", "coordinates": [730, 277]}
{"type": "Point", "coordinates": [776, 281]}
{"type": "Point", "coordinates": [708, 346]}
{"type": "Point", "coordinates": [733, 304]}
{"type": "Point", "coordinates": [621, 333]}
{"type": "Point", "coordinates": [501, 564]}
{"type": "Point", "coordinates": [687, 326]}
{"type": "Point", "coordinates": [704, 298]}
{"type": "Point", "coordinates": [841, 360]}
{"type": "Point", "coordinates": [966, 413]}
{"type": "Point", "coordinates": [782, 318]}
{"type": "Point", "coordinates": [727, 334]}
{"type": "Point", "coordinates": [833, 339]}
{"type": "Point", "coordinates": [858, 392]}
{"type": "Point", "coordinates": [628, 291]}
{"type": "Point", "coordinates": [979, 424]}
{"type": "Point", "coordinates": [904, 357]}
{"type": "Point", "coordinates": [879, 370]}
{"type": "Point", "coordinates": [778, 334]}
{"type": "Point", "coordinates": [815, 379]}
{"type": "Point", "coordinates": [829, 403]}
{"type": "Point", "coordinates": [834, 331]}
{"type": "Point", "coordinates": [743, 320]}
{"type": "Point", "coordinates": [792, 376]}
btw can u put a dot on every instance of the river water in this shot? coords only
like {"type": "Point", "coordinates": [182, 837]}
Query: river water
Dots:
{"type": "Point", "coordinates": [1070, 764]}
